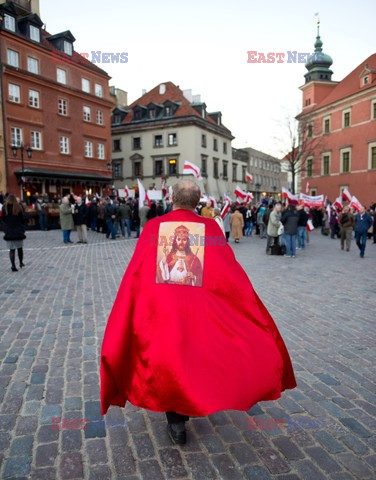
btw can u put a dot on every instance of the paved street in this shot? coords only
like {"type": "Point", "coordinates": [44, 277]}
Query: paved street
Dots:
{"type": "Point", "coordinates": [53, 314]}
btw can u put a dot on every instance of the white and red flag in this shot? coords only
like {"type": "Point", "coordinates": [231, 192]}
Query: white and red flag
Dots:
{"type": "Point", "coordinates": [355, 204]}
{"type": "Point", "coordinates": [346, 195]}
{"type": "Point", "coordinates": [248, 177]}
{"type": "Point", "coordinates": [248, 198]}
{"type": "Point", "coordinates": [142, 195]}
{"type": "Point", "coordinates": [226, 198]}
{"type": "Point", "coordinates": [292, 199]}
{"type": "Point", "coordinates": [214, 202]}
{"type": "Point", "coordinates": [192, 169]}
{"type": "Point", "coordinates": [126, 191]}
{"type": "Point", "coordinates": [225, 209]}
{"type": "Point", "coordinates": [240, 193]}
{"type": "Point", "coordinates": [338, 203]}
{"type": "Point", "coordinates": [307, 187]}
{"type": "Point", "coordinates": [312, 201]}
{"type": "Point", "coordinates": [310, 226]}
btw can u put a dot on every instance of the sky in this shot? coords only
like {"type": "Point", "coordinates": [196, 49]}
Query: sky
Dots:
{"type": "Point", "coordinates": [202, 45]}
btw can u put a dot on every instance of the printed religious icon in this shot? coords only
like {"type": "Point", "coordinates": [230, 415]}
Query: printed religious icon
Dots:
{"type": "Point", "coordinates": [180, 255]}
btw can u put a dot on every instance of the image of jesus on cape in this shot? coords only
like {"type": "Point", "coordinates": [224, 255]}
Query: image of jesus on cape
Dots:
{"type": "Point", "coordinates": [180, 265]}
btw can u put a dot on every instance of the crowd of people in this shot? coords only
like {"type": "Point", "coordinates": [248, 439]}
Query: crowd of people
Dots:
{"type": "Point", "coordinates": [285, 227]}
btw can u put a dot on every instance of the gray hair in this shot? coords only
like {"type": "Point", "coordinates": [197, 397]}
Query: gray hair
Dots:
{"type": "Point", "coordinates": [186, 194]}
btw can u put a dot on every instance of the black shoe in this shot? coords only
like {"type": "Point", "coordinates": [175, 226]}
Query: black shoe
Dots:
{"type": "Point", "coordinates": [22, 265]}
{"type": "Point", "coordinates": [70, 241]}
{"type": "Point", "coordinates": [14, 269]}
{"type": "Point", "coordinates": [177, 433]}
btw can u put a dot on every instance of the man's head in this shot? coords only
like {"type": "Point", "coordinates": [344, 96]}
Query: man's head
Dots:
{"type": "Point", "coordinates": [185, 194]}
{"type": "Point", "coordinates": [181, 240]}
{"type": "Point", "coordinates": [346, 209]}
{"type": "Point", "coordinates": [277, 207]}
{"type": "Point", "coordinates": [65, 200]}
{"type": "Point", "coordinates": [209, 204]}
{"type": "Point", "coordinates": [78, 200]}
{"type": "Point", "coordinates": [362, 209]}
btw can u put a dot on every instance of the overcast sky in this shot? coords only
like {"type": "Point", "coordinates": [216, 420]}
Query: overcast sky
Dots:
{"type": "Point", "coordinates": [202, 45]}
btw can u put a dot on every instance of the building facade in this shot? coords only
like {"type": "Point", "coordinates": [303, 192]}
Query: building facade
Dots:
{"type": "Point", "coordinates": [341, 116]}
{"type": "Point", "coordinates": [56, 110]}
{"type": "Point", "coordinates": [156, 134]}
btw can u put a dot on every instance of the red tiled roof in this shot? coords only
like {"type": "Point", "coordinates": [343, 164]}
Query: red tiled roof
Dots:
{"type": "Point", "coordinates": [350, 85]}
{"type": "Point", "coordinates": [173, 93]}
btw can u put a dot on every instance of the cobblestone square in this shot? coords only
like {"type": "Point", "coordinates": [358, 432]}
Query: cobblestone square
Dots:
{"type": "Point", "coordinates": [53, 315]}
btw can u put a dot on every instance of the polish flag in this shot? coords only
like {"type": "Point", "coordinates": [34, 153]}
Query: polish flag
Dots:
{"type": "Point", "coordinates": [248, 177]}
{"type": "Point", "coordinates": [346, 195]}
{"type": "Point", "coordinates": [192, 169]}
{"type": "Point", "coordinates": [248, 198]}
{"type": "Point", "coordinates": [239, 192]}
{"type": "Point", "coordinates": [310, 226]}
{"type": "Point", "coordinates": [214, 202]}
{"type": "Point", "coordinates": [338, 203]}
{"type": "Point", "coordinates": [142, 195]}
{"type": "Point", "coordinates": [226, 198]}
{"type": "Point", "coordinates": [126, 191]}
{"type": "Point", "coordinates": [292, 199]}
{"type": "Point", "coordinates": [307, 187]}
{"type": "Point", "coordinates": [225, 209]}
{"type": "Point", "coordinates": [355, 204]}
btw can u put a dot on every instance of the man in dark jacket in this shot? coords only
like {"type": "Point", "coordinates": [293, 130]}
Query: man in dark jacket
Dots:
{"type": "Point", "coordinates": [302, 226]}
{"type": "Point", "coordinates": [290, 220]}
{"type": "Point", "coordinates": [80, 217]}
{"type": "Point", "coordinates": [110, 214]}
{"type": "Point", "coordinates": [346, 220]}
{"type": "Point", "coordinates": [363, 222]}
{"type": "Point", "coordinates": [125, 215]}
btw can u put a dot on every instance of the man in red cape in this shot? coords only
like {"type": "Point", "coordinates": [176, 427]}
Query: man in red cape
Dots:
{"type": "Point", "coordinates": [187, 334]}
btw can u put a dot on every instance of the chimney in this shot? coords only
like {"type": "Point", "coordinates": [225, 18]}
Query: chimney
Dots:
{"type": "Point", "coordinates": [143, 91]}
{"type": "Point", "coordinates": [35, 7]}
{"type": "Point", "coordinates": [188, 94]}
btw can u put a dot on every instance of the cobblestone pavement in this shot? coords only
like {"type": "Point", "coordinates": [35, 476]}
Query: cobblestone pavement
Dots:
{"type": "Point", "coordinates": [53, 315]}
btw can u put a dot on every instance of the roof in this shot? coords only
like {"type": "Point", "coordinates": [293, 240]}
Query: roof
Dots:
{"type": "Point", "coordinates": [174, 94]}
{"type": "Point", "coordinates": [350, 85]}
{"type": "Point", "coordinates": [36, 172]}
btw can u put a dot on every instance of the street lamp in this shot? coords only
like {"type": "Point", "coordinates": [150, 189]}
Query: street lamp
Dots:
{"type": "Point", "coordinates": [29, 153]}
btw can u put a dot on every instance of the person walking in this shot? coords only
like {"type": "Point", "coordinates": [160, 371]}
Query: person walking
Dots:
{"type": "Point", "coordinates": [217, 217]}
{"type": "Point", "coordinates": [125, 214]}
{"type": "Point", "coordinates": [110, 218]}
{"type": "Point", "coordinates": [143, 213]}
{"type": "Point", "coordinates": [227, 225]}
{"type": "Point", "coordinates": [237, 224]}
{"type": "Point", "coordinates": [161, 353]}
{"type": "Point", "coordinates": [273, 226]}
{"type": "Point", "coordinates": [14, 229]}
{"type": "Point", "coordinates": [302, 226]}
{"type": "Point", "coordinates": [346, 221]}
{"type": "Point", "coordinates": [363, 222]}
{"type": "Point", "coordinates": [66, 219]}
{"type": "Point", "coordinates": [80, 217]}
{"type": "Point", "coordinates": [290, 219]}
{"type": "Point", "coordinates": [260, 221]}
{"type": "Point", "coordinates": [207, 211]}
{"type": "Point", "coordinates": [41, 208]}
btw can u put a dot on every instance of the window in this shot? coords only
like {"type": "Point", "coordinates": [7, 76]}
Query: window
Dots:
{"type": "Point", "coordinates": [98, 90]}
{"type": "Point", "coordinates": [327, 125]}
{"type": "Point", "coordinates": [88, 149]}
{"type": "Point", "coordinates": [172, 166]}
{"type": "Point", "coordinates": [309, 167]}
{"type": "Point", "coordinates": [215, 144]}
{"type": "Point", "coordinates": [374, 109]}
{"type": "Point", "coordinates": [36, 140]}
{"type": "Point", "coordinates": [99, 117]}
{"type": "Point", "coordinates": [14, 93]}
{"type": "Point", "coordinates": [168, 111]}
{"type": "Point", "coordinates": [138, 115]}
{"type": "Point", "coordinates": [63, 106]}
{"type": "Point", "coordinates": [225, 148]}
{"type": "Point", "coordinates": [309, 130]}
{"type": "Point", "coordinates": [203, 141]}
{"type": "Point", "coordinates": [136, 143]}
{"type": "Point", "coordinates": [100, 151]}
{"type": "Point", "coordinates": [13, 58]}
{"type": "Point", "coordinates": [85, 83]}
{"type": "Point", "coordinates": [137, 169]}
{"type": "Point", "coordinates": [326, 165]}
{"type": "Point", "coordinates": [172, 139]}
{"type": "Point", "coordinates": [244, 174]}
{"type": "Point", "coordinates": [152, 113]}
{"type": "Point", "coordinates": [365, 80]}
{"type": "Point", "coordinates": [117, 169]}
{"type": "Point", "coordinates": [225, 170]}
{"type": "Point", "coordinates": [61, 76]}
{"type": "Point", "coordinates": [34, 33]}
{"type": "Point", "coordinates": [372, 154]}
{"type": "Point", "coordinates": [215, 168]}
{"type": "Point", "coordinates": [33, 65]}
{"type": "Point", "coordinates": [158, 167]}
{"type": "Point", "coordinates": [16, 136]}
{"type": "Point", "coordinates": [116, 145]}
{"type": "Point", "coordinates": [346, 119]}
{"type": "Point", "coordinates": [9, 23]}
{"type": "Point", "coordinates": [204, 161]}
{"type": "Point", "coordinates": [345, 164]}
{"type": "Point", "coordinates": [68, 48]}
{"type": "Point", "coordinates": [33, 98]}
{"type": "Point", "coordinates": [87, 114]}
{"type": "Point", "coordinates": [234, 172]}
{"type": "Point", "coordinates": [116, 118]}
{"type": "Point", "coordinates": [158, 141]}
{"type": "Point", "coordinates": [64, 145]}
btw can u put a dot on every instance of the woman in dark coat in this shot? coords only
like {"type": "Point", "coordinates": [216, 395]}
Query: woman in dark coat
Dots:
{"type": "Point", "coordinates": [14, 227]}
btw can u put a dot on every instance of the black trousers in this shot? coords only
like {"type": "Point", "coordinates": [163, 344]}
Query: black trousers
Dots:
{"type": "Point", "coordinates": [173, 417]}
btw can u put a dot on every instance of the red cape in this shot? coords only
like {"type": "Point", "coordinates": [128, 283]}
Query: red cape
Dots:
{"type": "Point", "coordinates": [192, 347]}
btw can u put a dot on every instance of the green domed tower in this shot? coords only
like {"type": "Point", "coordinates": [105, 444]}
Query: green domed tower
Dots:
{"type": "Point", "coordinates": [319, 63]}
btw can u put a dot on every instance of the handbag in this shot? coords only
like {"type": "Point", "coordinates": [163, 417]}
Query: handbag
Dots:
{"type": "Point", "coordinates": [281, 230]}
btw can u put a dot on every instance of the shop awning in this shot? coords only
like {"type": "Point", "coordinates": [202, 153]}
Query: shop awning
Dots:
{"type": "Point", "coordinates": [43, 174]}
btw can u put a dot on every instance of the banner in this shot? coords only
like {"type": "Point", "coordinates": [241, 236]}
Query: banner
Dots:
{"type": "Point", "coordinates": [310, 201]}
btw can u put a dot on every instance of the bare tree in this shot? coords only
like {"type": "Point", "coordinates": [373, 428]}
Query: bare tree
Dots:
{"type": "Point", "coordinates": [298, 142]}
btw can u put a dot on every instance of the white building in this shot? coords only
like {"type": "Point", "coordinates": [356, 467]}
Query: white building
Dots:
{"type": "Point", "coordinates": [156, 134]}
